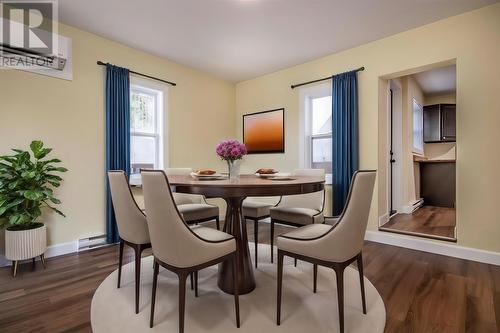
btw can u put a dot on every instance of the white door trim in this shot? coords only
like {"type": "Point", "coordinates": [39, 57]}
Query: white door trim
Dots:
{"type": "Point", "coordinates": [436, 247]}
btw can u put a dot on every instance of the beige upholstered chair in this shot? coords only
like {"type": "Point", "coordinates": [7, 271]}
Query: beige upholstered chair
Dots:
{"type": "Point", "coordinates": [179, 248]}
{"type": "Point", "coordinates": [299, 210]}
{"type": "Point", "coordinates": [132, 225]}
{"type": "Point", "coordinates": [334, 246]}
{"type": "Point", "coordinates": [194, 208]}
{"type": "Point", "coordinates": [256, 210]}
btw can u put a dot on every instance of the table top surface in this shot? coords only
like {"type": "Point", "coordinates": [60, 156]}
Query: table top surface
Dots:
{"type": "Point", "coordinates": [244, 181]}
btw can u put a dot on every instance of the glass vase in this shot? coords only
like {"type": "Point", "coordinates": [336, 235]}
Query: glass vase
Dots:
{"type": "Point", "coordinates": [233, 169]}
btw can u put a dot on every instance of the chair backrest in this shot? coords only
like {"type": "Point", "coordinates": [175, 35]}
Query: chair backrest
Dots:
{"type": "Point", "coordinates": [131, 222]}
{"type": "Point", "coordinates": [313, 200]}
{"type": "Point", "coordinates": [349, 233]}
{"type": "Point", "coordinates": [171, 239]}
{"type": "Point", "coordinates": [184, 198]}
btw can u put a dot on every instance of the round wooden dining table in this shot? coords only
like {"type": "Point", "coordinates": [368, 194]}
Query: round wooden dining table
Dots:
{"type": "Point", "coordinates": [234, 191]}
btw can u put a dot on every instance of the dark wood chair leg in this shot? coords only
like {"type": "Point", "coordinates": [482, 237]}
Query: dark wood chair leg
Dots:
{"type": "Point", "coordinates": [361, 281]}
{"type": "Point", "coordinates": [280, 283]}
{"type": "Point", "coordinates": [196, 284]}
{"type": "Point", "coordinates": [120, 261]}
{"type": "Point", "coordinates": [153, 296]}
{"type": "Point", "coordinates": [33, 264]}
{"type": "Point", "coordinates": [138, 251]}
{"type": "Point", "coordinates": [191, 277]}
{"type": "Point", "coordinates": [236, 291]}
{"type": "Point", "coordinates": [295, 262]}
{"type": "Point", "coordinates": [339, 272]}
{"type": "Point", "coordinates": [42, 260]}
{"type": "Point", "coordinates": [272, 240]}
{"type": "Point", "coordinates": [315, 273]}
{"type": "Point", "coordinates": [182, 300]}
{"type": "Point", "coordinates": [217, 223]}
{"type": "Point", "coordinates": [256, 238]}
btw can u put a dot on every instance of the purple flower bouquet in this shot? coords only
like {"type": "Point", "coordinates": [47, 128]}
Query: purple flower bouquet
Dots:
{"type": "Point", "coordinates": [231, 151]}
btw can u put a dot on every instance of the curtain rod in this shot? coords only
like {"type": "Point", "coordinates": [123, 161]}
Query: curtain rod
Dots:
{"type": "Point", "coordinates": [144, 75]}
{"type": "Point", "coordinates": [293, 86]}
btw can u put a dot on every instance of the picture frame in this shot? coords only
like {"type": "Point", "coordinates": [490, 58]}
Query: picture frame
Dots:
{"type": "Point", "coordinates": [264, 131]}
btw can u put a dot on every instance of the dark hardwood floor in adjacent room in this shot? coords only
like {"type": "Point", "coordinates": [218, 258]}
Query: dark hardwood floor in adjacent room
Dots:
{"type": "Point", "coordinates": [427, 220]}
{"type": "Point", "coordinates": [422, 292]}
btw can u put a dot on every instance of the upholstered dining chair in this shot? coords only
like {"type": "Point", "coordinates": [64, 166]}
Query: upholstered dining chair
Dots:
{"type": "Point", "coordinates": [179, 248]}
{"type": "Point", "coordinates": [132, 225]}
{"type": "Point", "coordinates": [256, 210]}
{"type": "Point", "coordinates": [334, 246]}
{"type": "Point", "coordinates": [194, 208]}
{"type": "Point", "coordinates": [299, 210]}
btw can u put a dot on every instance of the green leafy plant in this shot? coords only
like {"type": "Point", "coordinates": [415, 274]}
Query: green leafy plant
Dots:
{"type": "Point", "coordinates": [26, 186]}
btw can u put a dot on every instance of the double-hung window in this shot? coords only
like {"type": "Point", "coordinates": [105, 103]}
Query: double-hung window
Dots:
{"type": "Point", "coordinates": [146, 114]}
{"type": "Point", "coordinates": [317, 129]}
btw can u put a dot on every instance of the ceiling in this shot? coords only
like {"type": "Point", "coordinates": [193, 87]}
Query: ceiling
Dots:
{"type": "Point", "coordinates": [438, 81]}
{"type": "Point", "coordinates": [242, 39]}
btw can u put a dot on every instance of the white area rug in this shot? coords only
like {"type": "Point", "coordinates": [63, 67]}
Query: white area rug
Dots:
{"type": "Point", "coordinates": [112, 309]}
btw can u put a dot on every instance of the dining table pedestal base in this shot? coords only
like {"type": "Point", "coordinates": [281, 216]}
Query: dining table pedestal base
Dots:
{"type": "Point", "coordinates": [236, 226]}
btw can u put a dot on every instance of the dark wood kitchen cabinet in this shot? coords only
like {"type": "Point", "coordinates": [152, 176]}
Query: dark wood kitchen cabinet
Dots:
{"type": "Point", "coordinates": [437, 183]}
{"type": "Point", "coordinates": [440, 123]}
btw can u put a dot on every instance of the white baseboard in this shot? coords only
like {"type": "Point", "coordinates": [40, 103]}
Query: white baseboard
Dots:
{"type": "Point", "coordinates": [52, 251]}
{"type": "Point", "coordinates": [413, 206]}
{"type": "Point", "coordinates": [383, 219]}
{"type": "Point", "coordinates": [435, 247]}
{"type": "Point", "coordinates": [4, 262]}
{"type": "Point", "coordinates": [60, 249]}
{"type": "Point", "coordinates": [409, 242]}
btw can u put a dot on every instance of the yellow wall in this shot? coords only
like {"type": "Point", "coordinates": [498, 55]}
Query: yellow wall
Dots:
{"type": "Point", "coordinates": [440, 99]}
{"type": "Point", "coordinates": [69, 117]}
{"type": "Point", "coordinates": [473, 40]}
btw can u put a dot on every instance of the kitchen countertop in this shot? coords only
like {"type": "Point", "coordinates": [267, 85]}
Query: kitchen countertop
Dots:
{"type": "Point", "coordinates": [420, 159]}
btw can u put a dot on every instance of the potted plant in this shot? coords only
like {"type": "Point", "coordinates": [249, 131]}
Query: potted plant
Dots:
{"type": "Point", "coordinates": [26, 187]}
{"type": "Point", "coordinates": [231, 151]}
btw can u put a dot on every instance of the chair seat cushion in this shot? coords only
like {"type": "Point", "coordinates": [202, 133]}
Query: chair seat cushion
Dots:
{"type": "Point", "coordinates": [333, 220]}
{"type": "Point", "coordinates": [256, 209]}
{"type": "Point", "coordinates": [296, 215]}
{"type": "Point", "coordinates": [225, 244]}
{"type": "Point", "coordinates": [211, 234]}
{"type": "Point", "coordinates": [300, 241]}
{"type": "Point", "coordinates": [193, 212]}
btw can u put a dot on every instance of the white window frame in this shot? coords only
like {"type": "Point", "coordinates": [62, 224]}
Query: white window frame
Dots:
{"type": "Point", "coordinates": [306, 95]}
{"type": "Point", "coordinates": [417, 115]}
{"type": "Point", "coordinates": [160, 91]}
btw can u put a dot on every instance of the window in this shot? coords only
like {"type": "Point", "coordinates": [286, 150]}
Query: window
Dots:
{"type": "Point", "coordinates": [146, 106]}
{"type": "Point", "coordinates": [317, 128]}
{"type": "Point", "coordinates": [418, 128]}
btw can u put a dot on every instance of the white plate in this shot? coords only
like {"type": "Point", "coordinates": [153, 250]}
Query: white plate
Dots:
{"type": "Point", "coordinates": [212, 177]}
{"type": "Point", "coordinates": [278, 174]}
{"type": "Point", "coordinates": [282, 178]}
{"type": "Point", "coordinates": [265, 175]}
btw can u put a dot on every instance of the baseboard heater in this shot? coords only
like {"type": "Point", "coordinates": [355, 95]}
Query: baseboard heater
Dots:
{"type": "Point", "coordinates": [417, 204]}
{"type": "Point", "coordinates": [91, 242]}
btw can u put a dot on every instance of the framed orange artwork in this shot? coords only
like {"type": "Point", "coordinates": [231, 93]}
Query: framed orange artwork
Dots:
{"type": "Point", "coordinates": [264, 132]}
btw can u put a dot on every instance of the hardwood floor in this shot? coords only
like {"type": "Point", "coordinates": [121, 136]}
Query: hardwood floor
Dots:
{"type": "Point", "coordinates": [422, 292]}
{"type": "Point", "coordinates": [427, 220]}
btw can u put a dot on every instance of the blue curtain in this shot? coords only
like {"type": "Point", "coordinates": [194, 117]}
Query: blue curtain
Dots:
{"type": "Point", "coordinates": [344, 136]}
{"type": "Point", "coordinates": [117, 135]}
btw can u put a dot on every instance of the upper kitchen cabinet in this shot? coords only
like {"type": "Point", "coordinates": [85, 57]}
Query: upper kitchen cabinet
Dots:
{"type": "Point", "coordinates": [440, 123]}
